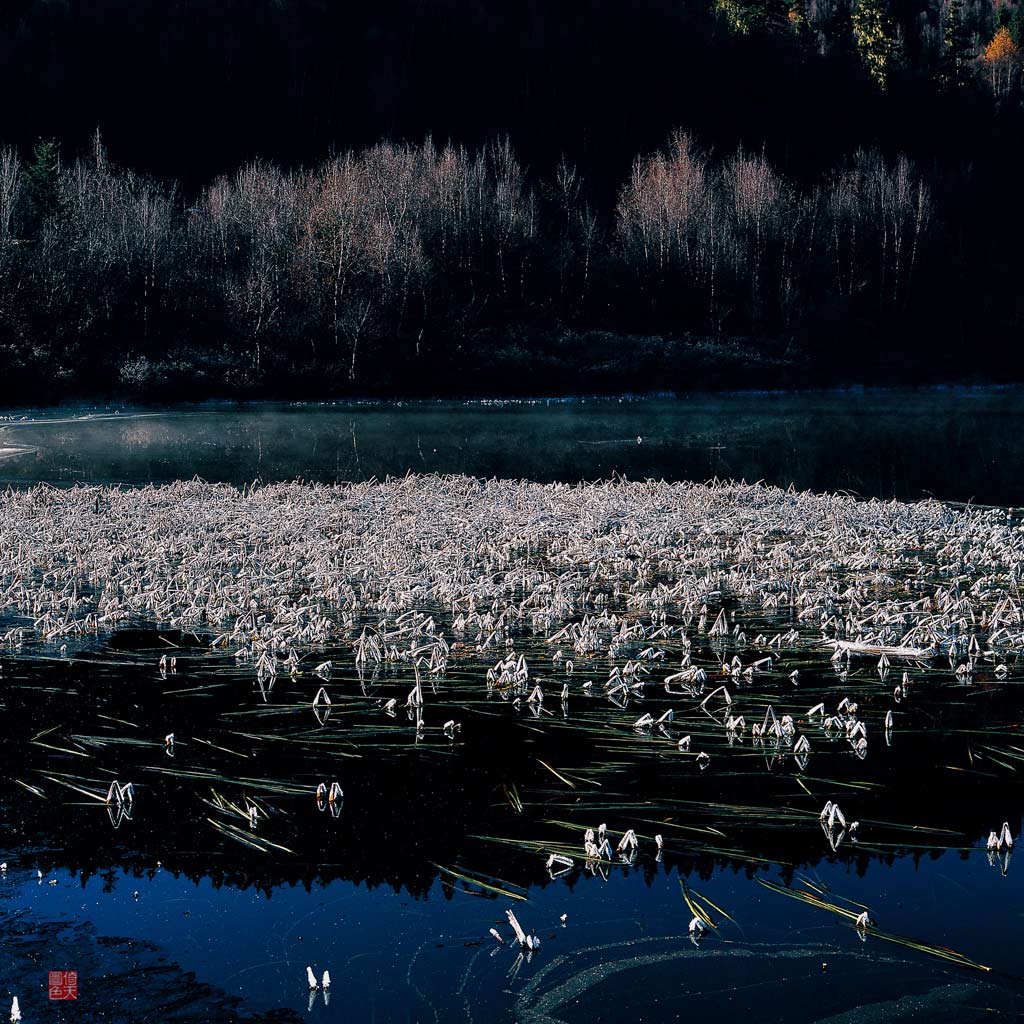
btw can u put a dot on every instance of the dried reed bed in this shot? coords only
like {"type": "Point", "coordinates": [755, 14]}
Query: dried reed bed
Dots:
{"type": "Point", "coordinates": [290, 567]}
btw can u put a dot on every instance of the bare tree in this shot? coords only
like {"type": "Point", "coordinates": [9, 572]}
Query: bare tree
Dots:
{"type": "Point", "coordinates": [10, 181]}
{"type": "Point", "coordinates": [760, 202]}
{"type": "Point", "coordinates": [664, 212]}
{"type": "Point", "coordinates": [878, 215]}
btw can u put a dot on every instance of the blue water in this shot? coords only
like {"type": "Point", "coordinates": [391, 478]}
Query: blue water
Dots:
{"type": "Point", "coordinates": [395, 958]}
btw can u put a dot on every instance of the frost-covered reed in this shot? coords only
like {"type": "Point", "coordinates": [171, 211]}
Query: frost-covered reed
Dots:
{"type": "Point", "coordinates": [430, 568]}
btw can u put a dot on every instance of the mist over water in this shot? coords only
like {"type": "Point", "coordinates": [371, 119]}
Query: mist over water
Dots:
{"type": "Point", "coordinates": [958, 444]}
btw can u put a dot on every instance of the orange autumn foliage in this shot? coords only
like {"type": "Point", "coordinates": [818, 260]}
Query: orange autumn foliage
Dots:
{"type": "Point", "coordinates": [1001, 48]}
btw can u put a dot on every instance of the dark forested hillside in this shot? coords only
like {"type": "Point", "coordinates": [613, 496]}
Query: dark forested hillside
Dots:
{"type": "Point", "coordinates": [839, 198]}
{"type": "Point", "coordinates": [187, 89]}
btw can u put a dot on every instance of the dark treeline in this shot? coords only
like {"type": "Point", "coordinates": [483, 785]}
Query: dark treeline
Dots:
{"type": "Point", "coordinates": [841, 206]}
{"type": "Point", "coordinates": [418, 268]}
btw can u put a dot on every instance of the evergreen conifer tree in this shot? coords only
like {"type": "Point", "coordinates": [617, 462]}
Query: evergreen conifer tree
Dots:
{"type": "Point", "coordinates": [39, 188]}
{"type": "Point", "coordinates": [957, 46]}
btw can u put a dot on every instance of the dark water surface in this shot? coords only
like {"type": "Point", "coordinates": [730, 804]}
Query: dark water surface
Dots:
{"type": "Point", "coordinates": [166, 916]}
{"type": "Point", "coordinates": [958, 444]}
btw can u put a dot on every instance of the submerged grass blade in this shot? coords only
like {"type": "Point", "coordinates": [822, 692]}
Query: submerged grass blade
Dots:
{"type": "Point", "coordinates": [35, 790]}
{"type": "Point", "coordinates": [698, 906]}
{"type": "Point", "coordinates": [472, 880]}
{"type": "Point", "coordinates": [557, 775]}
{"type": "Point", "coordinates": [942, 952]}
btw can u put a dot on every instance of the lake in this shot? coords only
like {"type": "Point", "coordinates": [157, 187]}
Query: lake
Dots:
{"type": "Point", "coordinates": [175, 905]}
{"type": "Point", "coordinates": [959, 444]}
